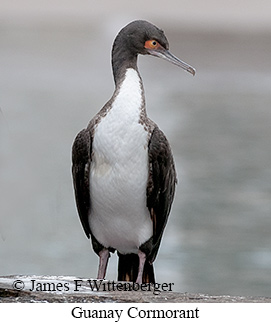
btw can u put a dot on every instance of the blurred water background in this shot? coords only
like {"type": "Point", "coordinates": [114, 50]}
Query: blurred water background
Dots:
{"type": "Point", "coordinates": [55, 74]}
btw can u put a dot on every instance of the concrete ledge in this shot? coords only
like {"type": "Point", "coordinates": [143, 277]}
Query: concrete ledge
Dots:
{"type": "Point", "coordinates": [66, 289]}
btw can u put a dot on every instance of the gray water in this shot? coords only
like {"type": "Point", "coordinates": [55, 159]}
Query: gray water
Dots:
{"type": "Point", "coordinates": [53, 79]}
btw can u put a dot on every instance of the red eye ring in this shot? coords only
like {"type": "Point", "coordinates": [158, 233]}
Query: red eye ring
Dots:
{"type": "Point", "coordinates": [151, 44]}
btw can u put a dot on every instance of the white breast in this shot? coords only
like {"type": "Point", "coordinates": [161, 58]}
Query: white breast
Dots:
{"type": "Point", "coordinates": [119, 216]}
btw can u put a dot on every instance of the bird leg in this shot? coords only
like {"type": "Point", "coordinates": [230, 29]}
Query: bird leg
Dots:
{"type": "Point", "coordinates": [103, 261]}
{"type": "Point", "coordinates": [142, 259]}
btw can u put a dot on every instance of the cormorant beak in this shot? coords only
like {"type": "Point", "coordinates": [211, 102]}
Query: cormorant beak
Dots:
{"type": "Point", "coordinates": [166, 54]}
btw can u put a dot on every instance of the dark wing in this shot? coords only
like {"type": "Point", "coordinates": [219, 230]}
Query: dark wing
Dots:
{"type": "Point", "coordinates": [81, 159]}
{"type": "Point", "coordinates": [161, 185]}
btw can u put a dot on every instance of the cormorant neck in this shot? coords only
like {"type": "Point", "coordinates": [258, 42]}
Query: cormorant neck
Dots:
{"type": "Point", "coordinates": [122, 59]}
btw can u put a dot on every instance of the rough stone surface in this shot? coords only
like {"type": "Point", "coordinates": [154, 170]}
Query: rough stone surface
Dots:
{"type": "Point", "coordinates": [60, 289]}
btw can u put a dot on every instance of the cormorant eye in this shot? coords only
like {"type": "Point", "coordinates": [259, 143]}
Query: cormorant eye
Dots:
{"type": "Point", "coordinates": [152, 44]}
